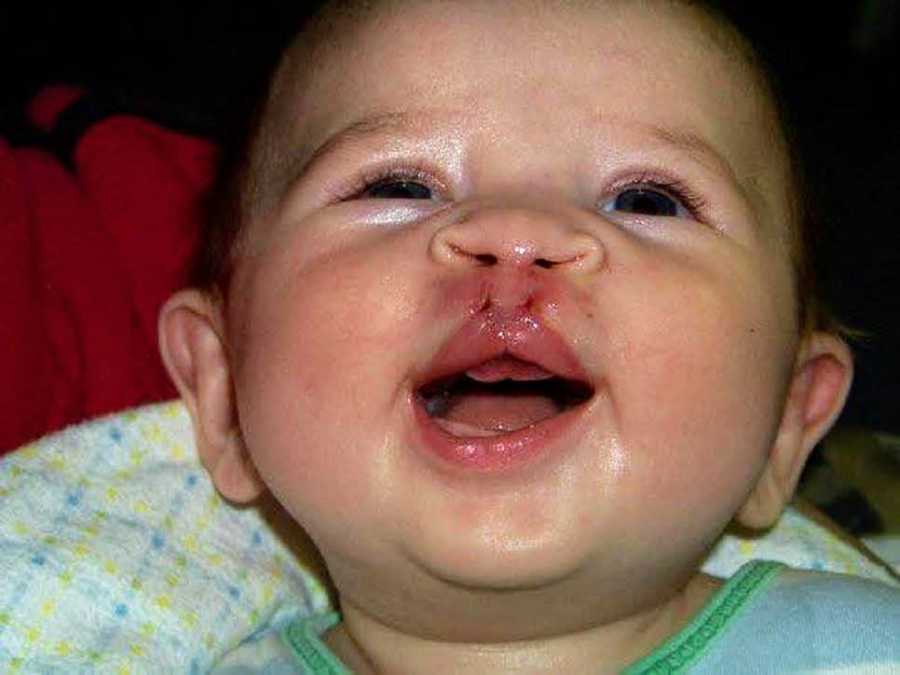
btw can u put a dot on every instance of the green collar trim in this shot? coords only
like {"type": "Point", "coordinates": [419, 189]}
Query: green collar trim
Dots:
{"type": "Point", "coordinates": [302, 637]}
{"type": "Point", "coordinates": [673, 657]}
{"type": "Point", "coordinates": [685, 648]}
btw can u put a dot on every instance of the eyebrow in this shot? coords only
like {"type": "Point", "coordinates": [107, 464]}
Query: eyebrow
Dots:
{"type": "Point", "coordinates": [683, 140]}
{"type": "Point", "coordinates": [693, 145]}
{"type": "Point", "coordinates": [378, 123]}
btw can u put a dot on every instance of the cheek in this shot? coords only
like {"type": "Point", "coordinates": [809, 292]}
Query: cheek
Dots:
{"type": "Point", "coordinates": [317, 370]}
{"type": "Point", "coordinates": [699, 390]}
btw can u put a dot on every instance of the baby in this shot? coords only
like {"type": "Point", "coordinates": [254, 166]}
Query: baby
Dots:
{"type": "Point", "coordinates": [511, 311]}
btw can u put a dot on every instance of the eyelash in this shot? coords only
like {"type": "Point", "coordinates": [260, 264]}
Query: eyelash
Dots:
{"type": "Point", "coordinates": [692, 201]}
{"type": "Point", "coordinates": [372, 177]}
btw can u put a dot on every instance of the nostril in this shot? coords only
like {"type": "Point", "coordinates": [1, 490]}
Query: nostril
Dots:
{"type": "Point", "coordinates": [474, 244]}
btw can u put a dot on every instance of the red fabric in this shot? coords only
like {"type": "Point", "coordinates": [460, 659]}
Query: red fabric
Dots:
{"type": "Point", "coordinates": [49, 103]}
{"type": "Point", "coordinates": [87, 256]}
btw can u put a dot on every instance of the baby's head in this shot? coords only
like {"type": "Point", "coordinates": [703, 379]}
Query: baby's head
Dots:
{"type": "Point", "coordinates": [513, 307]}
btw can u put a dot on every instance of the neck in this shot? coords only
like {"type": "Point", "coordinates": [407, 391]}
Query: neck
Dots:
{"type": "Point", "coordinates": [370, 646]}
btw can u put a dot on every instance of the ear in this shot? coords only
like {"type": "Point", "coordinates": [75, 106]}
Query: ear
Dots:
{"type": "Point", "coordinates": [195, 354]}
{"type": "Point", "coordinates": [819, 386]}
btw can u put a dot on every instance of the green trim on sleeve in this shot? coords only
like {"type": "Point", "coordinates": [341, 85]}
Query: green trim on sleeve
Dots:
{"type": "Point", "coordinates": [302, 637]}
{"type": "Point", "coordinates": [682, 650]}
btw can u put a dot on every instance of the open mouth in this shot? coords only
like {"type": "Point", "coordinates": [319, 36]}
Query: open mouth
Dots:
{"type": "Point", "coordinates": [499, 396]}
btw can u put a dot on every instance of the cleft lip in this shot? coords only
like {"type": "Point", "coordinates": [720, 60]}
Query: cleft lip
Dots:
{"type": "Point", "coordinates": [494, 334]}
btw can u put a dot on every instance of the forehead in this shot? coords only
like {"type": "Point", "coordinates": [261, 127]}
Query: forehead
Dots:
{"type": "Point", "coordinates": [559, 71]}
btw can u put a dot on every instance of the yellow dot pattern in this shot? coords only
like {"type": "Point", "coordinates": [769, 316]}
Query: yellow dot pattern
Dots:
{"type": "Point", "coordinates": [118, 555]}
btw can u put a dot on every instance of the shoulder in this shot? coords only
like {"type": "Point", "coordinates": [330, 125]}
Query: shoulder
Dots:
{"type": "Point", "coordinates": [807, 621]}
{"type": "Point", "coordinates": [823, 597]}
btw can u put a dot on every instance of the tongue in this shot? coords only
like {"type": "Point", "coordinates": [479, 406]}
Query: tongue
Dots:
{"type": "Point", "coordinates": [477, 412]}
{"type": "Point", "coordinates": [496, 403]}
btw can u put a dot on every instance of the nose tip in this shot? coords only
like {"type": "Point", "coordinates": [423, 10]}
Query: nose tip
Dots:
{"type": "Point", "coordinates": [517, 238]}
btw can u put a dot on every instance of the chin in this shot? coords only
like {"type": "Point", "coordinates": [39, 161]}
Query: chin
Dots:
{"type": "Point", "coordinates": [502, 564]}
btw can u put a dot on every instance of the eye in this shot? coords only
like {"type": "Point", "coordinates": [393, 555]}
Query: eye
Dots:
{"type": "Point", "coordinates": [405, 182]}
{"type": "Point", "coordinates": [644, 201]}
{"type": "Point", "coordinates": [397, 189]}
{"type": "Point", "coordinates": [657, 198]}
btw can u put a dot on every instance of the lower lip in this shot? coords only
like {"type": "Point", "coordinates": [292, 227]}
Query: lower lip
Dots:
{"type": "Point", "coordinates": [495, 453]}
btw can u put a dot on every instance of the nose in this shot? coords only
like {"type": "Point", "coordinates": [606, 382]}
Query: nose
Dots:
{"type": "Point", "coordinates": [516, 237]}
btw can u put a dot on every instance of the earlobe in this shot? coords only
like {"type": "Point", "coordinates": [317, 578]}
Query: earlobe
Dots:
{"type": "Point", "coordinates": [194, 352]}
{"type": "Point", "coordinates": [819, 386]}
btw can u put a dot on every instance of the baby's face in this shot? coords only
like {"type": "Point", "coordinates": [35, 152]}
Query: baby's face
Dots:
{"type": "Point", "coordinates": [588, 203]}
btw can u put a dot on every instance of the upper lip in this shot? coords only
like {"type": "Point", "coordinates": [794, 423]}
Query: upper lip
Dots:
{"type": "Point", "coordinates": [492, 334]}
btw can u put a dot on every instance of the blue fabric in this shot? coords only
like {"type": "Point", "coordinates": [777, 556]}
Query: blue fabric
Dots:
{"type": "Point", "coordinates": [797, 622]}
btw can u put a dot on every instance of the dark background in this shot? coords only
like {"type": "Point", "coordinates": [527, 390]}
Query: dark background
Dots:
{"type": "Point", "coordinates": [194, 65]}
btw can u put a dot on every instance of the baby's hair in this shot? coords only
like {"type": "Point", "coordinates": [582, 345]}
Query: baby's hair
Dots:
{"type": "Point", "coordinates": [233, 194]}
